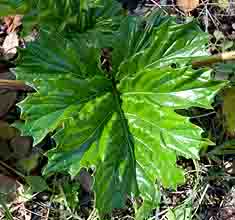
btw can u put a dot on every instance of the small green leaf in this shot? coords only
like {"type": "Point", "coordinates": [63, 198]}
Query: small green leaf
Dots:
{"type": "Point", "coordinates": [227, 45]}
{"type": "Point", "coordinates": [180, 213]}
{"type": "Point", "coordinates": [218, 35]}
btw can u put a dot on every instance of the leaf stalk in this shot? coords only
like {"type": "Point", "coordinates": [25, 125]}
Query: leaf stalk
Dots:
{"type": "Point", "coordinates": [208, 61]}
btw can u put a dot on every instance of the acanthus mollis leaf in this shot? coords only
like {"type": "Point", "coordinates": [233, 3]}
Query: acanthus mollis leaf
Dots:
{"type": "Point", "coordinates": [124, 121]}
{"type": "Point", "coordinates": [63, 81]}
{"type": "Point", "coordinates": [116, 173]}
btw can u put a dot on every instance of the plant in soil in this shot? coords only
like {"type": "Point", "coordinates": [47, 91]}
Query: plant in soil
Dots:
{"type": "Point", "coordinates": [120, 119]}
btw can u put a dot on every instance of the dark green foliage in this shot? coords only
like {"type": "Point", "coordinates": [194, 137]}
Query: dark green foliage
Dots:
{"type": "Point", "coordinates": [122, 121]}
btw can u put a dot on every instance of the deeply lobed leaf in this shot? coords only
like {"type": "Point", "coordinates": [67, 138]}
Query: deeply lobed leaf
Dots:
{"type": "Point", "coordinates": [122, 121]}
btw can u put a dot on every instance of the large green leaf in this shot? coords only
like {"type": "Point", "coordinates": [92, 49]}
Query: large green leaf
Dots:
{"type": "Point", "coordinates": [124, 121]}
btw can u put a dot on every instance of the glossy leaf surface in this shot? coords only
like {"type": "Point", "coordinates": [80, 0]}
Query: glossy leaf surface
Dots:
{"type": "Point", "coordinates": [123, 122]}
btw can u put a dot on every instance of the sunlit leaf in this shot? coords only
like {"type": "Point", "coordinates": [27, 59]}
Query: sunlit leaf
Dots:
{"type": "Point", "coordinates": [124, 121]}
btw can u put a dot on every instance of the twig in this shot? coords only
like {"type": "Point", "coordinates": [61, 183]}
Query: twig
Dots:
{"type": "Point", "coordinates": [201, 199]}
{"type": "Point", "coordinates": [15, 85]}
{"type": "Point", "coordinates": [12, 169]}
{"type": "Point", "coordinates": [155, 3]}
{"type": "Point", "coordinates": [208, 61]}
{"type": "Point", "coordinates": [92, 215]}
{"type": "Point", "coordinates": [159, 214]}
{"type": "Point", "coordinates": [203, 115]}
{"type": "Point", "coordinates": [39, 215]}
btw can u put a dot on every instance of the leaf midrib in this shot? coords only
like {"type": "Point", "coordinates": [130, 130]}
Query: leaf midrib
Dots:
{"type": "Point", "coordinates": [124, 125]}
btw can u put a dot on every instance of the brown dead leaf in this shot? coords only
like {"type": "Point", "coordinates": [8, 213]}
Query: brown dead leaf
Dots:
{"type": "Point", "coordinates": [8, 20]}
{"type": "Point", "coordinates": [21, 146]}
{"type": "Point", "coordinates": [227, 211]}
{"type": "Point", "coordinates": [12, 22]}
{"type": "Point", "coordinates": [5, 152]}
{"type": "Point", "coordinates": [187, 5]}
{"type": "Point", "coordinates": [10, 45]}
{"type": "Point", "coordinates": [9, 187]}
{"type": "Point", "coordinates": [230, 167]}
{"type": "Point", "coordinates": [86, 180]}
